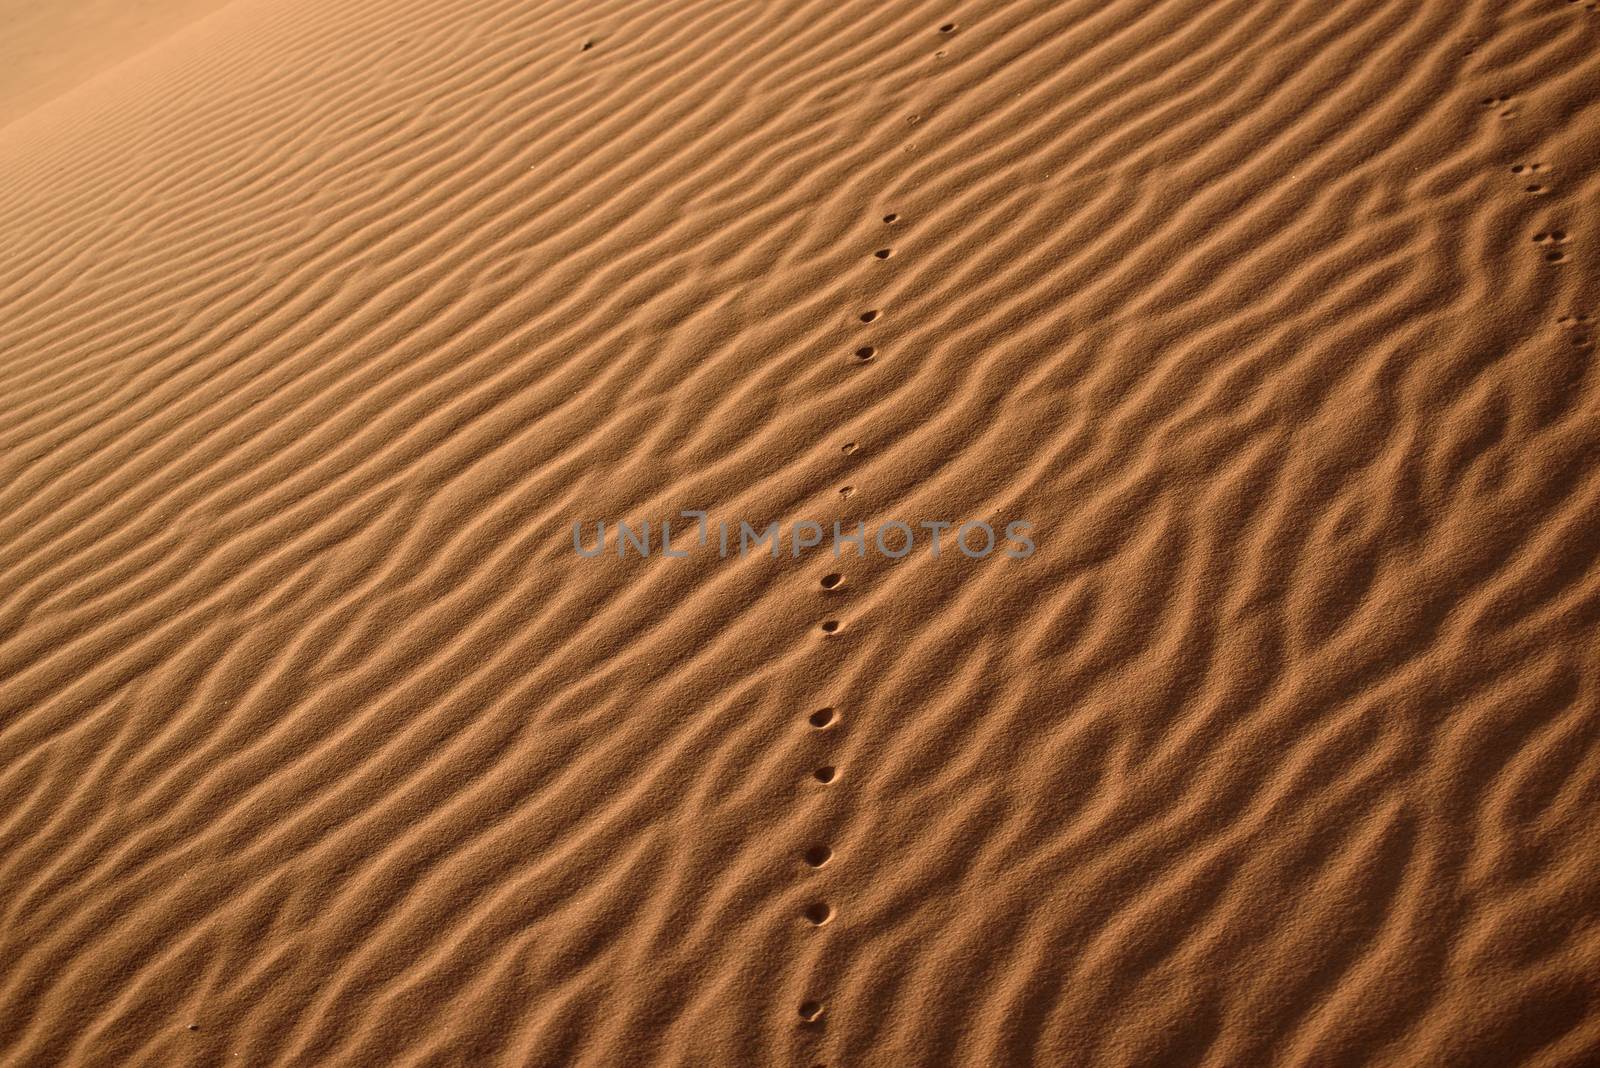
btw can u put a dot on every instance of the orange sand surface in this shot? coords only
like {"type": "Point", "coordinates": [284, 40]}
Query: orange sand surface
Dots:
{"type": "Point", "coordinates": [48, 47]}
{"type": "Point", "coordinates": [323, 321]}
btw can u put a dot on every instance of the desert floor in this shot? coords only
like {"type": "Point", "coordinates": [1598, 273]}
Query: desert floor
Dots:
{"type": "Point", "coordinates": [323, 321]}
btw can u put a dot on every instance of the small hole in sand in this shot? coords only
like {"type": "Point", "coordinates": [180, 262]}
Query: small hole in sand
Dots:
{"type": "Point", "coordinates": [194, 1027]}
{"type": "Point", "coordinates": [865, 353]}
{"type": "Point", "coordinates": [821, 718]}
{"type": "Point", "coordinates": [891, 217]}
{"type": "Point", "coordinates": [884, 253]}
{"type": "Point", "coordinates": [845, 491]}
{"type": "Point", "coordinates": [819, 855]}
{"type": "Point", "coordinates": [1540, 238]}
{"type": "Point", "coordinates": [1558, 235]}
{"type": "Point", "coordinates": [818, 913]}
{"type": "Point", "coordinates": [868, 316]}
{"type": "Point", "coordinates": [830, 626]}
{"type": "Point", "coordinates": [1554, 257]}
{"type": "Point", "coordinates": [831, 582]}
{"type": "Point", "coordinates": [1536, 189]}
{"type": "Point", "coordinates": [1518, 169]}
{"type": "Point", "coordinates": [825, 773]}
{"type": "Point", "coordinates": [586, 46]}
{"type": "Point", "coordinates": [849, 446]}
{"type": "Point", "coordinates": [948, 27]}
{"type": "Point", "coordinates": [810, 1010]}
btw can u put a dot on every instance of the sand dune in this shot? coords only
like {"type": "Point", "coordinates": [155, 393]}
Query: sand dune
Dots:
{"type": "Point", "coordinates": [322, 323]}
{"type": "Point", "coordinates": [47, 50]}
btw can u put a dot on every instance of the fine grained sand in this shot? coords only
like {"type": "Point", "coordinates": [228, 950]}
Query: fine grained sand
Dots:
{"type": "Point", "coordinates": [322, 322]}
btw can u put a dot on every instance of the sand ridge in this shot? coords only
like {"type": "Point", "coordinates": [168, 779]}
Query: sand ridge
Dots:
{"type": "Point", "coordinates": [321, 323]}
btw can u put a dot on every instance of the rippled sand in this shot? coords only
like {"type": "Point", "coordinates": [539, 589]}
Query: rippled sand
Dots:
{"type": "Point", "coordinates": [322, 322]}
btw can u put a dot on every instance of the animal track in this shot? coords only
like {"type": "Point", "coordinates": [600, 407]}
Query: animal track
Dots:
{"type": "Point", "coordinates": [1579, 327]}
{"type": "Point", "coordinates": [818, 913]}
{"type": "Point", "coordinates": [1491, 101]}
{"type": "Point", "coordinates": [1553, 238]}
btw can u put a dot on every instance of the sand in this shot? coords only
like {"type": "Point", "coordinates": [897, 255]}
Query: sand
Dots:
{"type": "Point", "coordinates": [323, 321]}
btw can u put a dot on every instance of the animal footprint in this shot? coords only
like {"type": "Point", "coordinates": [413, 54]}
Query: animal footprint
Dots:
{"type": "Point", "coordinates": [818, 913]}
{"type": "Point", "coordinates": [1578, 325]}
{"type": "Point", "coordinates": [1492, 101]}
{"type": "Point", "coordinates": [1553, 240]}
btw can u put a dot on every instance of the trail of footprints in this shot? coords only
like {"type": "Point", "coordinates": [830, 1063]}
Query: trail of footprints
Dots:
{"type": "Point", "coordinates": [1551, 242]}
{"type": "Point", "coordinates": [819, 912]}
